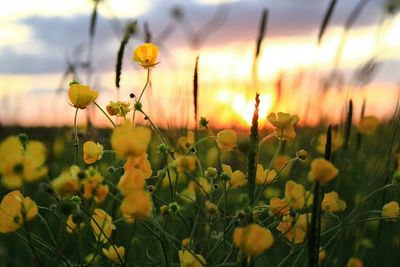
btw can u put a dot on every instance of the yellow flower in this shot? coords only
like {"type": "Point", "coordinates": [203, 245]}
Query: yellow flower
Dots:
{"type": "Point", "coordinates": [81, 95]}
{"type": "Point", "coordinates": [253, 239]}
{"type": "Point", "coordinates": [102, 225]}
{"type": "Point", "coordinates": [284, 124]}
{"type": "Point", "coordinates": [185, 163]}
{"type": "Point", "coordinates": [71, 226]}
{"type": "Point", "coordinates": [236, 179]}
{"type": "Point", "coordinates": [137, 204]}
{"type": "Point", "coordinates": [115, 254]}
{"type": "Point", "coordinates": [226, 140]}
{"type": "Point", "coordinates": [294, 229]}
{"type": "Point", "coordinates": [295, 194]}
{"type": "Point", "coordinates": [128, 141]}
{"type": "Point", "coordinates": [337, 142]}
{"type": "Point", "coordinates": [136, 171]}
{"type": "Point", "coordinates": [146, 54]}
{"type": "Point", "coordinates": [101, 193]}
{"type": "Point", "coordinates": [92, 152]}
{"type": "Point", "coordinates": [14, 210]}
{"type": "Point", "coordinates": [118, 108]}
{"type": "Point", "coordinates": [322, 255]}
{"type": "Point", "coordinates": [19, 165]}
{"type": "Point", "coordinates": [190, 259]}
{"type": "Point", "coordinates": [282, 164]}
{"type": "Point", "coordinates": [332, 203]}
{"type": "Point", "coordinates": [186, 141]}
{"type": "Point", "coordinates": [367, 125]}
{"type": "Point", "coordinates": [278, 206]}
{"type": "Point", "coordinates": [261, 175]}
{"type": "Point", "coordinates": [67, 182]}
{"type": "Point", "coordinates": [391, 209]}
{"type": "Point", "coordinates": [322, 171]}
{"type": "Point", "coordinates": [355, 262]}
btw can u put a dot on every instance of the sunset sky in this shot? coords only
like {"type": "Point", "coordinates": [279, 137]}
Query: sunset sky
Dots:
{"type": "Point", "coordinates": [38, 38]}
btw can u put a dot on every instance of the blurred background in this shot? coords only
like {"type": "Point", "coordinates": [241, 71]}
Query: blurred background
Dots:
{"type": "Point", "coordinates": [302, 67]}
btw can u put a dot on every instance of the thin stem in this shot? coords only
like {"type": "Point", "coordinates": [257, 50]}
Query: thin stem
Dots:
{"type": "Point", "coordinates": [141, 95]}
{"type": "Point", "coordinates": [102, 110]}
{"type": "Point", "coordinates": [76, 144]}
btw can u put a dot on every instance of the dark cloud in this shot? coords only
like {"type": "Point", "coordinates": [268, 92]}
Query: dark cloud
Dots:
{"type": "Point", "coordinates": [63, 38]}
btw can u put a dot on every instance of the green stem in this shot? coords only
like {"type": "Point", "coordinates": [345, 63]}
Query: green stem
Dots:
{"type": "Point", "coordinates": [102, 110]}
{"type": "Point", "coordinates": [76, 144]}
{"type": "Point", "coordinates": [141, 95]}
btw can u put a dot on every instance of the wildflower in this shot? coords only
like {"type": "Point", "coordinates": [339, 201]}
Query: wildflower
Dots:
{"type": "Point", "coordinates": [19, 164]}
{"type": "Point", "coordinates": [226, 140]}
{"type": "Point", "coordinates": [294, 194]}
{"type": "Point", "coordinates": [115, 254]}
{"type": "Point", "coordinates": [294, 233]}
{"type": "Point", "coordinates": [164, 210]}
{"type": "Point", "coordinates": [284, 124]}
{"type": "Point", "coordinates": [136, 171]}
{"type": "Point", "coordinates": [92, 152]}
{"type": "Point", "coordinates": [337, 142]}
{"type": "Point", "coordinates": [332, 203]}
{"type": "Point", "coordinates": [278, 206]}
{"type": "Point", "coordinates": [253, 239]}
{"type": "Point", "coordinates": [81, 95]}
{"type": "Point", "coordinates": [101, 193]}
{"type": "Point", "coordinates": [367, 125]}
{"type": "Point", "coordinates": [71, 226]}
{"type": "Point", "coordinates": [322, 255]}
{"type": "Point", "coordinates": [15, 209]}
{"type": "Point", "coordinates": [185, 163]}
{"type": "Point", "coordinates": [265, 176]}
{"type": "Point", "coordinates": [128, 141]}
{"type": "Point", "coordinates": [102, 225]}
{"type": "Point", "coordinates": [236, 179]}
{"type": "Point", "coordinates": [137, 204]}
{"type": "Point", "coordinates": [212, 209]}
{"type": "Point", "coordinates": [302, 154]}
{"type": "Point", "coordinates": [186, 141]}
{"type": "Point", "coordinates": [322, 171]}
{"type": "Point", "coordinates": [146, 54]}
{"type": "Point", "coordinates": [119, 108]}
{"type": "Point", "coordinates": [186, 242]}
{"type": "Point", "coordinates": [355, 262]}
{"type": "Point", "coordinates": [282, 164]}
{"type": "Point", "coordinates": [391, 209]}
{"type": "Point", "coordinates": [190, 259]}
{"type": "Point", "coordinates": [67, 182]}
{"type": "Point", "coordinates": [211, 172]}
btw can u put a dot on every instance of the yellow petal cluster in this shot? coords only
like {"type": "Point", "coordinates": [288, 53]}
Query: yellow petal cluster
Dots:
{"type": "Point", "coordinates": [336, 142]}
{"type": "Point", "coordinates": [322, 171]}
{"type": "Point", "coordinates": [253, 239]}
{"type": "Point", "coordinates": [14, 210]}
{"type": "Point", "coordinates": [115, 254]}
{"type": "Point", "coordinates": [128, 141]}
{"type": "Point", "coordinates": [67, 183]}
{"type": "Point", "coordinates": [391, 209]}
{"type": "Point", "coordinates": [136, 171]}
{"type": "Point", "coordinates": [190, 259]}
{"type": "Point", "coordinates": [332, 202]}
{"type": "Point", "coordinates": [92, 152]}
{"type": "Point", "coordinates": [236, 179]}
{"type": "Point", "coordinates": [284, 124]}
{"type": "Point", "coordinates": [118, 108]}
{"type": "Point", "coordinates": [146, 55]}
{"type": "Point", "coordinates": [102, 225]}
{"type": "Point", "coordinates": [81, 95]}
{"type": "Point", "coordinates": [367, 125]}
{"type": "Point", "coordinates": [137, 204]}
{"type": "Point", "coordinates": [19, 165]}
{"type": "Point", "coordinates": [226, 140]}
{"type": "Point", "coordinates": [294, 228]}
{"type": "Point", "coordinates": [265, 177]}
{"type": "Point", "coordinates": [354, 262]}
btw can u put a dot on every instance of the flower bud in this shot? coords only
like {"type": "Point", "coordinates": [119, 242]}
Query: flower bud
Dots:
{"type": "Point", "coordinates": [302, 154]}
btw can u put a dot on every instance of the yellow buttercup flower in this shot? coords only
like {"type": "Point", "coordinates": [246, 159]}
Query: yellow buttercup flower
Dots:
{"type": "Point", "coordinates": [186, 141]}
{"type": "Point", "coordinates": [253, 239]}
{"type": "Point", "coordinates": [71, 227]}
{"type": "Point", "coordinates": [295, 194]}
{"type": "Point", "coordinates": [137, 204]}
{"type": "Point", "coordinates": [92, 152]}
{"type": "Point", "coordinates": [236, 179]}
{"type": "Point", "coordinates": [322, 171]}
{"type": "Point", "coordinates": [284, 124]}
{"type": "Point", "coordinates": [136, 171]}
{"type": "Point", "coordinates": [332, 203]}
{"type": "Point", "coordinates": [118, 108]}
{"type": "Point", "coordinates": [278, 206]}
{"type": "Point", "coordinates": [367, 125]}
{"type": "Point", "coordinates": [146, 54]}
{"type": "Point", "coordinates": [102, 225]}
{"type": "Point", "coordinates": [391, 209]}
{"type": "Point", "coordinates": [19, 165]}
{"type": "Point", "coordinates": [264, 176]}
{"type": "Point", "coordinates": [14, 210]}
{"type": "Point", "coordinates": [115, 254]}
{"type": "Point", "coordinates": [283, 165]}
{"type": "Point", "coordinates": [294, 233]}
{"type": "Point", "coordinates": [67, 183]}
{"type": "Point", "coordinates": [185, 163]}
{"type": "Point", "coordinates": [226, 140]}
{"type": "Point", "coordinates": [128, 141]}
{"type": "Point", "coordinates": [337, 142]}
{"type": "Point", "coordinates": [190, 259]}
{"type": "Point", "coordinates": [81, 95]}
{"type": "Point", "coordinates": [355, 262]}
